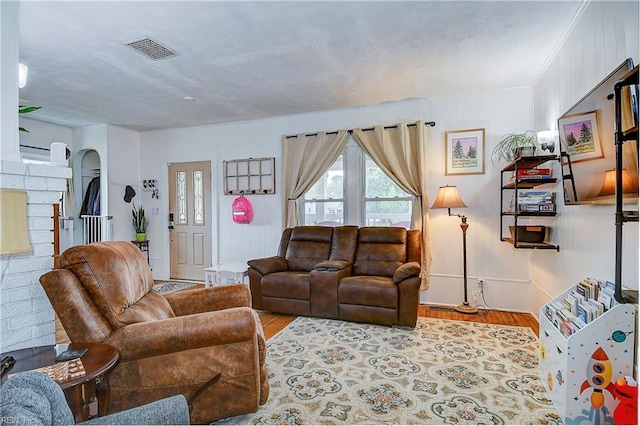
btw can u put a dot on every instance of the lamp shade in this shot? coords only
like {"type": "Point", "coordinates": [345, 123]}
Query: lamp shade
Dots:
{"type": "Point", "coordinates": [609, 185]}
{"type": "Point", "coordinates": [448, 198]}
{"type": "Point", "coordinates": [14, 235]}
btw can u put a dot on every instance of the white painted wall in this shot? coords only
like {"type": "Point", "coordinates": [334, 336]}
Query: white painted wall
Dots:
{"type": "Point", "coordinates": [9, 56]}
{"type": "Point", "coordinates": [259, 138]}
{"type": "Point", "coordinates": [123, 147]}
{"type": "Point", "coordinates": [42, 135]}
{"type": "Point", "coordinates": [604, 36]}
{"type": "Point", "coordinates": [506, 271]}
{"type": "Point", "coordinates": [89, 138]}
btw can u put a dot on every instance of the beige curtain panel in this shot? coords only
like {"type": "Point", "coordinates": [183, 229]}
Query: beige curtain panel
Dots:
{"type": "Point", "coordinates": [400, 151]}
{"type": "Point", "coordinates": [304, 159]}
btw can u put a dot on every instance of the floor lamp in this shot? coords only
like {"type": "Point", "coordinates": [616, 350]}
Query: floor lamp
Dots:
{"type": "Point", "coordinates": [448, 198]}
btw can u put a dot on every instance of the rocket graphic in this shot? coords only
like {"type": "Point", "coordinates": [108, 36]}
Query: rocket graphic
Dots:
{"type": "Point", "coordinates": [599, 372]}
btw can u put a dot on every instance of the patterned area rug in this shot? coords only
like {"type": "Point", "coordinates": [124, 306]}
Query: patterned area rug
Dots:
{"type": "Point", "coordinates": [442, 372]}
{"type": "Point", "coordinates": [171, 286]}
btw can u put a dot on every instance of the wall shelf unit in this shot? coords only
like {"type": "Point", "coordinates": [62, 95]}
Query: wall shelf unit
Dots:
{"type": "Point", "coordinates": [528, 166]}
{"type": "Point", "coordinates": [623, 135]}
{"type": "Point", "coordinates": [249, 176]}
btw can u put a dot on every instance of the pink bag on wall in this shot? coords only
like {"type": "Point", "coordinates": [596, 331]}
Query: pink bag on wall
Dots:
{"type": "Point", "coordinates": [242, 210]}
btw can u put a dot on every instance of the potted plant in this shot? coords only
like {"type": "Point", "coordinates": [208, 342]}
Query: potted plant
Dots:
{"type": "Point", "coordinates": [139, 222]}
{"type": "Point", "coordinates": [515, 145]}
{"type": "Point", "coordinates": [25, 110]}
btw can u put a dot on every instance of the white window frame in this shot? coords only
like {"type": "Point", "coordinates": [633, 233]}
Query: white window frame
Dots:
{"type": "Point", "coordinates": [354, 201]}
{"type": "Point", "coordinates": [303, 200]}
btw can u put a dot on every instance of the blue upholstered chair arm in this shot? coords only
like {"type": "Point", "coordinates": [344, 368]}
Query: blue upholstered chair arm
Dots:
{"type": "Point", "coordinates": [32, 398]}
{"type": "Point", "coordinates": [168, 411]}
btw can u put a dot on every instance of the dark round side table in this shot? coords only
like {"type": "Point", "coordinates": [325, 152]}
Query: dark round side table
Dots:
{"type": "Point", "coordinates": [79, 391]}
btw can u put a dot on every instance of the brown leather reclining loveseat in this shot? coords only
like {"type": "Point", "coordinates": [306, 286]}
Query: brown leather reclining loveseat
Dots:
{"type": "Point", "coordinates": [369, 274]}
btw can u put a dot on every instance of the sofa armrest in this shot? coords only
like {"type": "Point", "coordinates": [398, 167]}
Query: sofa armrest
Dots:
{"type": "Point", "coordinates": [209, 299]}
{"type": "Point", "coordinates": [407, 270]}
{"type": "Point", "coordinates": [168, 411]}
{"type": "Point", "coordinates": [155, 338]}
{"type": "Point", "coordinates": [332, 265]}
{"type": "Point", "coordinates": [268, 265]}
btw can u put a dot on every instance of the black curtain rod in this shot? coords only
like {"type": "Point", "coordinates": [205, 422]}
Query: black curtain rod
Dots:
{"type": "Point", "coordinates": [35, 147]}
{"type": "Point", "coordinates": [369, 129]}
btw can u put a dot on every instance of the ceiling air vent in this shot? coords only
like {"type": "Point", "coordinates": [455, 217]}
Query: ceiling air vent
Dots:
{"type": "Point", "coordinates": [151, 49]}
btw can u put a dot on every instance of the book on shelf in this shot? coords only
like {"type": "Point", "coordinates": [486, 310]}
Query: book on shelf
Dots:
{"type": "Point", "coordinates": [588, 300]}
{"type": "Point", "coordinates": [606, 294]}
{"type": "Point", "coordinates": [533, 201]}
{"type": "Point", "coordinates": [536, 197]}
{"type": "Point", "coordinates": [63, 371]}
{"type": "Point", "coordinates": [536, 208]}
{"type": "Point", "coordinates": [528, 174]}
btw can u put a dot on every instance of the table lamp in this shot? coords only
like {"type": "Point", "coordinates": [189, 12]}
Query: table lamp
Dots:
{"type": "Point", "coordinates": [448, 198]}
{"type": "Point", "coordinates": [609, 184]}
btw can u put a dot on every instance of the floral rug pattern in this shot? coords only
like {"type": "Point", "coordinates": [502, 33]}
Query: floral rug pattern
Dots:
{"type": "Point", "coordinates": [327, 372]}
{"type": "Point", "coordinates": [172, 286]}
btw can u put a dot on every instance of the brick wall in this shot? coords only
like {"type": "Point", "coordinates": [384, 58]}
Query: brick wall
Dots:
{"type": "Point", "coordinates": [26, 316]}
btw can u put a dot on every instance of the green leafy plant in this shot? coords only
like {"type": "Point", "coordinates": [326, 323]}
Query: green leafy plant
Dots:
{"type": "Point", "coordinates": [139, 219]}
{"type": "Point", "coordinates": [25, 110]}
{"type": "Point", "coordinates": [508, 146]}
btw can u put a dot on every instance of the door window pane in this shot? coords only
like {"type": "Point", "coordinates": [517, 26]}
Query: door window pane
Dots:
{"type": "Point", "coordinates": [198, 202]}
{"type": "Point", "coordinates": [181, 197]}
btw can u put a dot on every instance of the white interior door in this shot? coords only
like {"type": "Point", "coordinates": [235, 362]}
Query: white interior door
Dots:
{"type": "Point", "coordinates": [190, 207]}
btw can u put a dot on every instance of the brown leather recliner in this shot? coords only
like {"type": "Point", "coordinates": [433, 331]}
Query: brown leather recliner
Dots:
{"type": "Point", "coordinates": [284, 279]}
{"type": "Point", "coordinates": [384, 285]}
{"type": "Point", "coordinates": [369, 274]}
{"type": "Point", "coordinates": [168, 345]}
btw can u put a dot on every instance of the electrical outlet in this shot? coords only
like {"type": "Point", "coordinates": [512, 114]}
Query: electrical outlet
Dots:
{"type": "Point", "coordinates": [481, 283]}
{"type": "Point", "coordinates": [155, 210]}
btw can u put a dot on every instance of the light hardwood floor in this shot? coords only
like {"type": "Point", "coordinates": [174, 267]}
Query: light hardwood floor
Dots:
{"type": "Point", "coordinates": [273, 323]}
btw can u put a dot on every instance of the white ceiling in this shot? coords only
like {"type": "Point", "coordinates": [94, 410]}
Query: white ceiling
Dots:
{"type": "Point", "coordinates": [249, 60]}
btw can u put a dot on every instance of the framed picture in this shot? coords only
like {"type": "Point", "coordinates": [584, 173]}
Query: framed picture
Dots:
{"type": "Point", "coordinates": [581, 136]}
{"type": "Point", "coordinates": [464, 152]}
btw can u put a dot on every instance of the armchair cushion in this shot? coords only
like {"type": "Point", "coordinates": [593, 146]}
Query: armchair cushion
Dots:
{"type": "Point", "coordinates": [118, 282]}
{"type": "Point", "coordinates": [380, 251]}
{"type": "Point", "coordinates": [309, 245]}
{"type": "Point", "coordinates": [33, 398]}
{"type": "Point", "coordinates": [269, 265]}
{"type": "Point", "coordinates": [209, 299]}
{"type": "Point", "coordinates": [174, 335]}
{"type": "Point", "coordinates": [294, 284]}
{"type": "Point", "coordinates": [407, 270]}
{"type": "Point", "coordinates": [368, 291]}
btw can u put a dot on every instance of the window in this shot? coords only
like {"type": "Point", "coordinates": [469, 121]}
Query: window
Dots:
{"type": "Point", "coordinates": [385, 203]}
{"type": "Point", "coordinates": [355, 191]}
{"type": "Point", "coordinates": [323, 204]}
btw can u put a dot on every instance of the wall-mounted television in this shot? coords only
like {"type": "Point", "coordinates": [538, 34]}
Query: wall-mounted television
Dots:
{"type": "Point", "coordinates": [587, 134]}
